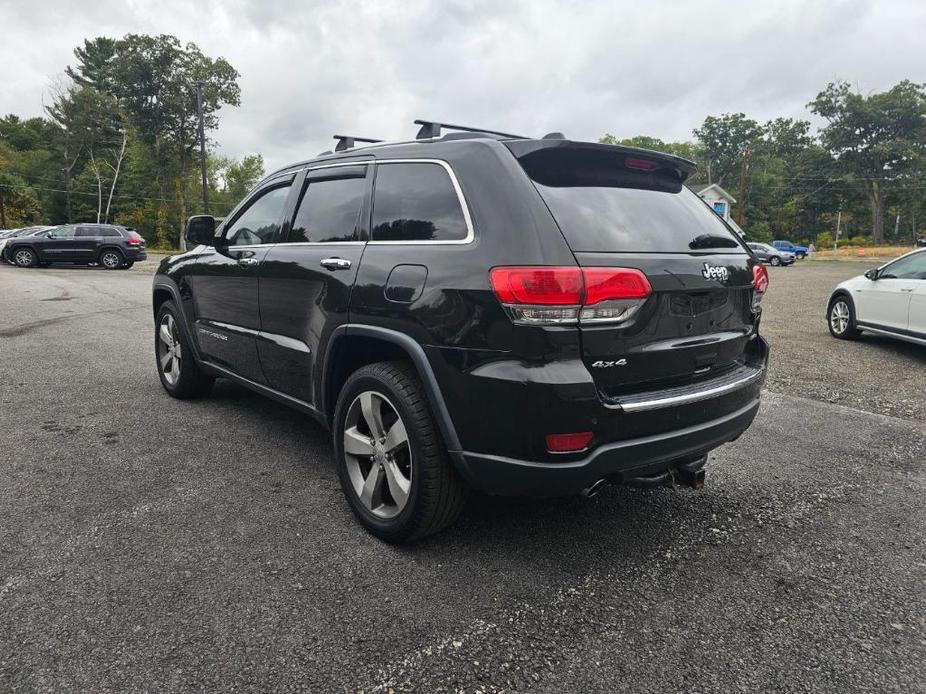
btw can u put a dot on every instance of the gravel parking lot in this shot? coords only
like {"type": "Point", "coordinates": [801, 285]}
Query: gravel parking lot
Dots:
{"type": "Point", "coordinates": [152, 544]}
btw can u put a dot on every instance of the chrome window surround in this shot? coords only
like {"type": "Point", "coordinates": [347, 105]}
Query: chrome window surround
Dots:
{"type": "Point", "coordinates": [470, 234]}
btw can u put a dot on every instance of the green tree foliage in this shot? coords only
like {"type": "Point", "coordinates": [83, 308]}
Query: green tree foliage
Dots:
{"type": "Point", "coordinates": [879, 139]}
{"type": "Point", "coordinates": [799, 183]}
{"type": "Point", "coordinates": [120, 142]}
{"type": "Point", "coordinates": [723, 142]}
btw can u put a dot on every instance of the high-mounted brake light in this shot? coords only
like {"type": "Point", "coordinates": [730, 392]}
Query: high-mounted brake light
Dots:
{"type": "Point", "coordinates": [566, 295]}
{"type": "Point", "coordinates": [640, 164]}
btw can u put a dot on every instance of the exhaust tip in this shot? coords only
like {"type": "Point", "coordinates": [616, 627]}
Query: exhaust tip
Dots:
{"type": "Point", "coordinates": [591, 491]}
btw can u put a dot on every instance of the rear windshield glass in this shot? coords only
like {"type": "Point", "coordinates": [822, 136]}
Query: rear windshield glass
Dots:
{"type": "Point", "coordinates": [637, 220]}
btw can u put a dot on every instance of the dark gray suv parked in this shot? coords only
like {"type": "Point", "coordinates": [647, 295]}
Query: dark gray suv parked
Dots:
{"type": "Point", "coordinates": [111, 246]}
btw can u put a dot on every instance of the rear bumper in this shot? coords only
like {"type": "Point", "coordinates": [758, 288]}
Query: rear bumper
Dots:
{"type": "Point", "coordinates": [135, 254]}
{"type": "Point", "coordinates": [616, 461]}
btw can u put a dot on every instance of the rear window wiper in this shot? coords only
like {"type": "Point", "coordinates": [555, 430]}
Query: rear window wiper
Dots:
{"type": "Point", "coordinates": [712, 241]}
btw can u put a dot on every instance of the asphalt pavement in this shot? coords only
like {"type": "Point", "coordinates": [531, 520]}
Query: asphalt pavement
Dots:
{"type": "Point", "coordinates": [153, 544]}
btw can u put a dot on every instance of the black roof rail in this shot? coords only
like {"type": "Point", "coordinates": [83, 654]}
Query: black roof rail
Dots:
{"type": "Point", "coordinates": [348, 141]}
{"type": "Point", "coordinates": [430, 128]}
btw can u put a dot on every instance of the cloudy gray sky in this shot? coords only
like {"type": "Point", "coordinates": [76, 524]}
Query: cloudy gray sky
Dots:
{"type": "Point", "coordinates": [310, 69]}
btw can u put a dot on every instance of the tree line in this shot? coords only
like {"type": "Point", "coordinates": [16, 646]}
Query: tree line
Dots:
{"type": "Point", "coordinates": [119, 140]}
{"type": "Point", "coordinates": [864, 170]}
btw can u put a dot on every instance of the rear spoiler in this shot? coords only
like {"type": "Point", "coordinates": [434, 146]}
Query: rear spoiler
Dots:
{"type": "Point", "coordinates": [570, 163]}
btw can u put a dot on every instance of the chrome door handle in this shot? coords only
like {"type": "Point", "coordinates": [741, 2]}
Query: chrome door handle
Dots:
{"type": "Point", "coordinates": [335, 264]}
{"type": "Point", "coordinates": [248, 261]}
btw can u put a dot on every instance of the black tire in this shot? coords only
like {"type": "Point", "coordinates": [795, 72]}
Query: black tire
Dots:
{"type": "Point", "coordinates": [188, 380]}
{"type": "Point", "coordinates": [801, 256]}
{"type": "Point", "coordinates": [111, 259]}
{"type": "Point", "coordinates": [127, 265]}
{"type": "Point", "coordinates": [839, 313]}
{"type": "Point", "coordinates": [775, 260]}
{"type": "Point", "coordinates": [436, 493]}
{"type": "Point", "coordinates": [25, 257]}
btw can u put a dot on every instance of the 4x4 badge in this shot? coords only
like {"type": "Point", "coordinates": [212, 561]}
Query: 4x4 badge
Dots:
{"type": "Point", "coordinates": [715, 272]}
{"type": "Point", "coordinates": [608, 364]}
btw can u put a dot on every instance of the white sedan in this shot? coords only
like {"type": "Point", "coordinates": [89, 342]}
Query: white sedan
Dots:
{"type": "Point", "coordinates": [889, 300]}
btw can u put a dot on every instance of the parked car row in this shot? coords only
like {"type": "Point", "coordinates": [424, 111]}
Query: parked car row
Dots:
{"type": "Point", "coordinates": [110, 246]}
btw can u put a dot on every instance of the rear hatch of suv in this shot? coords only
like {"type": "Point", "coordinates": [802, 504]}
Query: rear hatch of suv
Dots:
{"type": "Point", "coordinates": [691, 320]}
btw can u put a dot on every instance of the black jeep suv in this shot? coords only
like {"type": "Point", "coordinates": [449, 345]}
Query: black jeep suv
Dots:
{"type": "Point", "coordinates": [478, 310]}
{"type": "Point", "coordinates": [111, 246]}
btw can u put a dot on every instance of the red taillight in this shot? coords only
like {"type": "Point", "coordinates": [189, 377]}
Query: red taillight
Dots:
{"type": "Point", "coordinates": [537, 285]}
{"type": "Point", "coordinates": [569, 443]}
{"type": "Point", "coordinates": [556, 295]}
{"type": "Point", "coordinates": [603, 283]}
{"type": "Point", "coordinates": [759, 278]}
{"type": "Point", "coordinates": [759, 284]}
{"type": "Point", "coordinates": [133, 241]}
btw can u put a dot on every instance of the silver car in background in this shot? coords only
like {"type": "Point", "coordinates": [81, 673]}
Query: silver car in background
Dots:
{"type": "Point", "coordinates": [770, 254]}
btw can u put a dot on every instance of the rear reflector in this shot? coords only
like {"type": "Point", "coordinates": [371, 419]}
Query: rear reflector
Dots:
{"type": "Point", "coordinates": [568, 443]}
{"type": "Point", "coordinates": [591, 294]}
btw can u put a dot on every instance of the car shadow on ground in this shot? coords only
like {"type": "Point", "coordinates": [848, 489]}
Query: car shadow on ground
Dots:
{"type": "Point", "coordinates": [619, 523]}
{"type": "Point", "coordinates": [897, 347]}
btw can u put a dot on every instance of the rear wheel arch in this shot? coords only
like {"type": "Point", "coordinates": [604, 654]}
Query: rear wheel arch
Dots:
{"type": "Point", "coordinates": [107, 249]}
{"type": "Point", "coordinates": [352, 347]}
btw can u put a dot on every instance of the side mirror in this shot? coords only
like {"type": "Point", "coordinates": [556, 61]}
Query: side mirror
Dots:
{"type": "Point", "coordinates": [872, 274]}
{"type": "Point", "coordinates": [200, 230]}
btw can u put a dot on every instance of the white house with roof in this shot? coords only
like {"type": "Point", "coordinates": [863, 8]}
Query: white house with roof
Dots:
{"type": "Point", "coordinates": [719, 200]}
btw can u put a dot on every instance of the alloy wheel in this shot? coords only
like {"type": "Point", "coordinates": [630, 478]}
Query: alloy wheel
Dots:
{"type": "Point", "coordinates": [377, 454]}
{"type": "Point", "coordinates": [23, 257]}
{"type": "Point", "coordinates": [839, 317]}
{"type": "Point", "coordinates": [169, 352]}
{"type": "Point", "coordinates": [111, 260]}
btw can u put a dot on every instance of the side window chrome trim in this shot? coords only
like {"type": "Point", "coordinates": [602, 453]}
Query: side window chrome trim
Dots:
{"type": "Point", "coordinates": [470, 234]}
{"type": "Point", "coordinates": [298, 243]}
{"type": "Point", "coordinates": [361, 162]}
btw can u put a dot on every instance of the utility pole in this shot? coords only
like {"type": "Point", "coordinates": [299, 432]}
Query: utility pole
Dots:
{"type": "Point", "coordinates": [744, 167]}
{"type": "Point", "coordinates": [202, 144]}
{"type": "Point", "coordinates": [897, 228]}
{"type": "Point", "coordinates": [838, 224]}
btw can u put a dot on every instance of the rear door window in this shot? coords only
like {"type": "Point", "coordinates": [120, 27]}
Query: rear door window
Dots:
{"type": "Point", "coordinates": [417, 202]}
{"type": "Point", "coordinates": [329, 211]}
{"type": "Point", "coordinates": [88, 231]}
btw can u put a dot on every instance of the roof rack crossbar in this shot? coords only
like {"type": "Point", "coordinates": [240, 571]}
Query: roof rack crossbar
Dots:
{"type": "Point", "coordinates": [348, 141]}
{"type": "Point", "coordinates": [430, 128]}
